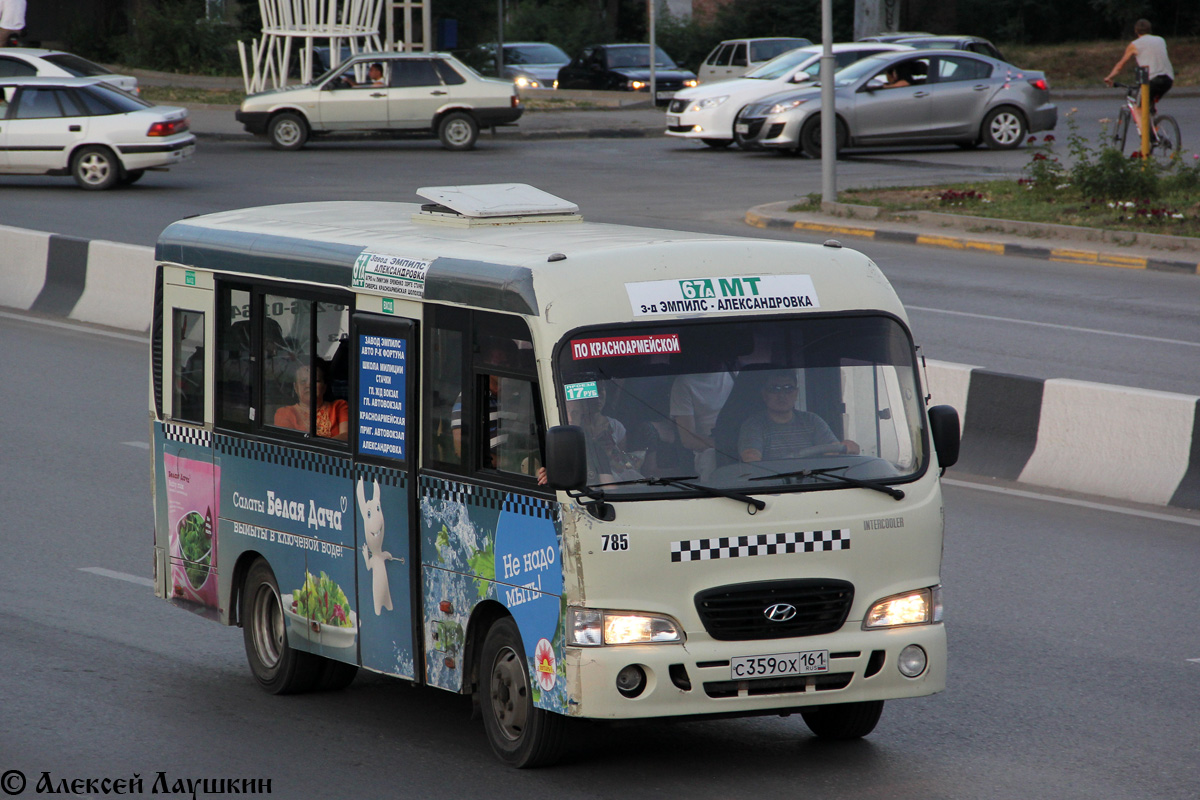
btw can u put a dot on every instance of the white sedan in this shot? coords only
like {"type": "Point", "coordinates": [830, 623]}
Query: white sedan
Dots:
{"type": "Point", "coordinates": [88, 129]}
{"type": "Point", "coordinates": [28, 62]}
{"type": "Point", "coordinates": [707, 112]}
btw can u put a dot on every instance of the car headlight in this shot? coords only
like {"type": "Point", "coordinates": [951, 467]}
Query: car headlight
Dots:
{"type": "Point", "coordinates": [525, 82]}
{"type": "Point", "coordinates": [786, 105]}
{"type": "Point", "coordinates": [691, 83]}
{"type": "Point", "coordinates": [636, 86]}
{"type": "Point", "coordinates": [592, 627]}
{"type": "Point", "coordinates": [710, 102]}
{"type": "Point", "coordinates": [922, 607]}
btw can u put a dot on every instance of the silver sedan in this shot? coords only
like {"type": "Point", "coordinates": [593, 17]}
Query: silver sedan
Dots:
{"type": "Point", "coordinates": [934, 97]}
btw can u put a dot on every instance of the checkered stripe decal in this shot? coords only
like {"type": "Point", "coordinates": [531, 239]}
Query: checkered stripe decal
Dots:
{"type": "Point", "coordinates": [187, 435]}
{"type": "Point", "coordinates": [284, 456]}
{"type": "Point", "coordinates": [386, 477]}
{"type": "Point", "coordinates": [485, 497]}
{"type": "Point", "coordinates": [764, 544]}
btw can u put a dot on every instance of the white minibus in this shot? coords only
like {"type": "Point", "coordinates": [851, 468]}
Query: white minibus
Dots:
{"type": "Point", "coordinates": [570, 469]}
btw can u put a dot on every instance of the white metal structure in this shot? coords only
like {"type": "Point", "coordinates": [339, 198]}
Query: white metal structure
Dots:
{"type": "Point", "coordinates": [343, 23]}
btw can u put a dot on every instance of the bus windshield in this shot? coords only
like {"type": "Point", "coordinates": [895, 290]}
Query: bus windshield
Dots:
{"type": "Point", "coordinates": [751, 406]}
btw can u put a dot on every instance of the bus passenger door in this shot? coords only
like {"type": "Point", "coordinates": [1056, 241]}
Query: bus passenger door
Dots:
{"type": "Point", "coordinates": [384, 388]}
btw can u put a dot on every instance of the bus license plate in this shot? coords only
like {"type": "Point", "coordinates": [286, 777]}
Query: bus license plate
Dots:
{"type": "Point", "coordinates": [779, 665]}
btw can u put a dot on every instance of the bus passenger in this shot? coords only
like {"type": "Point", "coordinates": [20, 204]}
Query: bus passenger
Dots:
{"type": "Point", "coordinates": [333, 418]}
{"type": "Point", "coordinates": [779, 430]}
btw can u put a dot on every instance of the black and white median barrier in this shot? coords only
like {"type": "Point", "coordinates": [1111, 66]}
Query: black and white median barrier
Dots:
{"type": "Point", "coordinates": [1114, 441]}
{"type": "Point", "coordinates": [106, 283]}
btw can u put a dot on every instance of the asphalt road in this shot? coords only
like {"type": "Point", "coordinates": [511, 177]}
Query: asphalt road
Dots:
{"type": "Point", "coordinates": [1023, 316]}
{"type": "Point", "coordinates": [1074, 667]}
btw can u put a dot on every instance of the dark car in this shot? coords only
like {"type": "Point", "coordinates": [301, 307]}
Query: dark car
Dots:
{"type": "Point", "coordinates": [530, 65]}
{"type": "Point", "coordinates": [972, 44]}
{"type": "Point", "coordinates": [625, 68]}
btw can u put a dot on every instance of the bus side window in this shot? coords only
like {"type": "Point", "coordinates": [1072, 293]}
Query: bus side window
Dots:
{"type": "Point", "coordinates": [445, 408]}
{"type": "Point", "coordinates": [235, 362]}
{"type": "Point", "coordinates": [187, 358]}
{"type": "Point", "coordinates": [512, 432]}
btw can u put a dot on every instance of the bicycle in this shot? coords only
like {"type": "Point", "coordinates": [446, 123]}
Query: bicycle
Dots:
{"type": "Point", "coordinates": [1164, 130]}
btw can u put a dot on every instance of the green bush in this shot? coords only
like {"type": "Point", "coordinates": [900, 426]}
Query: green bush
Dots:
{"type": "Point", "coordinates": [1111, 175]}
{"type": "Point", "coordinates": [176, 37]}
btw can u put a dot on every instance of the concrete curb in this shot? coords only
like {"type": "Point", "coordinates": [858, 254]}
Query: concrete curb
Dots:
{"type": "Point", "coordinates": [1130, 444]}
{"type": "Point", "coordinates": [775, 216]}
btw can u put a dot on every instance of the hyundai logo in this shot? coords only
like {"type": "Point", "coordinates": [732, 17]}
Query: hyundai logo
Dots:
{"type": "Point", "coordinates": [780, 612]}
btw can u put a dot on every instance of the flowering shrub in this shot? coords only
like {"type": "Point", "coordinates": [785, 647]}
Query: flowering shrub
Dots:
{"type": "Point", "coordinates": [1143, 211]}
{"type": "Point", "coordinates": [953, 197]}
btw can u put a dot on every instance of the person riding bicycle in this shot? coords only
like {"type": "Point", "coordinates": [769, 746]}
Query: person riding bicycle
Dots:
{"type": "Point", "coordinates": [12, 22]}
{"type": "Point", "coordinates": [1151, 54]}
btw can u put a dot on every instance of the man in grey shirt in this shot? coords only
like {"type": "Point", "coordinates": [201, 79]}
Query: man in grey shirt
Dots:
{"type": "Point", "coordinates": [779, 430]}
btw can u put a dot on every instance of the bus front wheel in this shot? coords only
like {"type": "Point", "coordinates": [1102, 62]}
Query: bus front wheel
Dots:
{"type": "Point", "coordinates": [843, 720]}
{"type": "Point", "coordinates": [276, 666]}
{"type": "Point", "coordinates": [521, 734]}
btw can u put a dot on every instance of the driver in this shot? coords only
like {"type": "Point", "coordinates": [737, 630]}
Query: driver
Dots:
{"type": "Point", "coordinates": [779, 430]}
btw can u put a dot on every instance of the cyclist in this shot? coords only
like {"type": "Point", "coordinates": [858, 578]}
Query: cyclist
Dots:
{"type": "Point", "coordinates": [1151, 54]}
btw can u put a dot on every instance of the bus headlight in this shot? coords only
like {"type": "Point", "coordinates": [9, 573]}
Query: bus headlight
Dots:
{"type": "Point", "coordinates": [591, 627]}
{"type": "Point", "coordinates": [922, 607]}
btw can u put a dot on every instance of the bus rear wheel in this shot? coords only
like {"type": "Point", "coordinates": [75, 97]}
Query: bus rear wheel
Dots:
{"type": "Point", "coordinates": [521, 734]}
{"type": "Point", "coordinates": [275, 665]}
{"type": "Point", "coordinates": [843, 721]}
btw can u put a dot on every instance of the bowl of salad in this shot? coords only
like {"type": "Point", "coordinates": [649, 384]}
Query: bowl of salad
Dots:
{"type": "Point", "coordinates": [319, 612]}
{"type": "Point", "coordinates": [195, 548]}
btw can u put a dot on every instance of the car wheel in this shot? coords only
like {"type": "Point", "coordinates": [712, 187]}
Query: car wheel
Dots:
{"type": "Point", "coordinates": [521, 734]}
{"type": "Point", "coordinates": [275, 665]}
{"type": "Point", "coordinates": [717, 144]}
{"type": "Point", "coordinates": [96, 168]}
{"type": "Point", "coordinates": [132, 176]}
{"type": "Point", "coordinates": [288, 131]}
{"type": "Point", "coordinates": [810, 136]}
{"type": "Point", "coordinates": [1003, 128]}
{"type": "Point", "coordinates": [458, 131]}
{"type": "Point", "coordinates": [843, 720]}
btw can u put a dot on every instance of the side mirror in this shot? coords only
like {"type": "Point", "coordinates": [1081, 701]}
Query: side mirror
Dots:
{"type": "Point", "coordinates": [943, 425]}
{"type": "Point", "coordinates": [566, 457]}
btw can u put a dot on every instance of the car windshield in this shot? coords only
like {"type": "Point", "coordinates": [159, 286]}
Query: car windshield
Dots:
{"type": "Point", "coordinates": [79, 67]}
{"type": "Point", "coordinates": [766, 50]}
{"type": "Point", "coordinates": [534, 54]}
{"type": "Point", "coordinates": [780, 66]}
{"type": "Point", "coordinates": [633, 56]}
{"type": "Point", "coordinates": [771, 405]}
{"type": "Point", "coordinates": [116, 99]}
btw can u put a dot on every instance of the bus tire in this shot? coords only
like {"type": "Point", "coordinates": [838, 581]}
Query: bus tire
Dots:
{"type": "Point", "coordinates": [842, 721]}
{"type": "Point", "coordinates": [277, 667]}
{"type": "Point", "coordinates": [520, 734]}
{"type": "Point", "coordinates": [335, 675]}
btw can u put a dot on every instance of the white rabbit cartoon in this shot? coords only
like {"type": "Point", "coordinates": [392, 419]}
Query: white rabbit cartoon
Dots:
{"type": "Point", "coordinates": [372, 549]}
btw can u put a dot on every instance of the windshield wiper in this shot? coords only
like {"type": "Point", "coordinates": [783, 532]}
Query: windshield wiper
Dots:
{"type": "Point", "coordinates": [823, 474]}
{"type": "Point", "coordinates": [684, 481]}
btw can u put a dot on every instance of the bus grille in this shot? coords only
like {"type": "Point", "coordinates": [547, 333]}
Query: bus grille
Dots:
{"type": "Point", "coordinates": [738, 612]}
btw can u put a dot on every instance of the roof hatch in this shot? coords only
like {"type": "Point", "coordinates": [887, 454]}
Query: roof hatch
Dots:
{"type": "Point", "coordinates": [493, 204]}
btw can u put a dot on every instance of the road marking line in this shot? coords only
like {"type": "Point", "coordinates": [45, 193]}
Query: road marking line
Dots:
{"type": "Point", "coordinates": [138, 445]}
{"type": "Point", "coordinates": [121, 576]}
{"type": "Point", "coordinates": [1053, 325]}
{"type": "Point", "coordinates": [1070, 501]}
{"type": "Point", "coordinates": [839, 229]}
{"type": "Point", "coordinates": [75, 327]}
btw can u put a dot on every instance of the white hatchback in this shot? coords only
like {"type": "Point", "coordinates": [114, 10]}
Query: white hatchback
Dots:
{"type": "Point", "coordinates": [707, 112]}
{"type": "Point", "coordinates": [88, 129]}
{"type": "Point", "coordinates": [28, 62]}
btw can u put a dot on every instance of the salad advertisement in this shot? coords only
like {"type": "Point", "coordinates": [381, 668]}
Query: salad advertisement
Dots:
{"type": "Point", "coordinates": [192, 513]}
